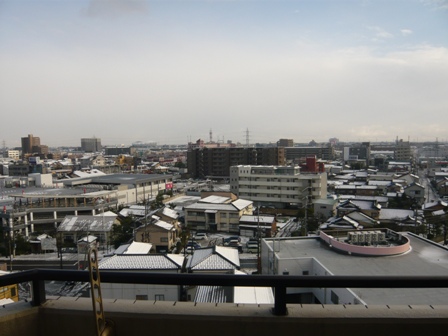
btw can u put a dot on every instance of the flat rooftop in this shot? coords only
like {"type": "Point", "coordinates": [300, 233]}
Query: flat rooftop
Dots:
{"type": "Point", "coordinates": [424, 259]}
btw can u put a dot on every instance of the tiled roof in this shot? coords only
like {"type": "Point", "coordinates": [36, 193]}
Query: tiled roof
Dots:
{"type": "Point", "coordinates": [164, 225]}
{"type": "Point", "coordinates": [209, 206]}
{"type": "Point", "coordinates": [241, 204]}
{"type": "Point", "coordinates": [214, 258]}
{"type": "Point", "coordinates": [215, 199]}
{"type": "Point", "coordinates": [170, 213]}
{"type": "Point", "coordinates": [138, 248]}
{"type": "Point", "coordinates": [87, 223]}
{"type": "Point", "coordinates": [255, 219]}
{"type": "Point", "coordinates": [138, 262]}
{"type": "Point", "coordinates": [395, 214]}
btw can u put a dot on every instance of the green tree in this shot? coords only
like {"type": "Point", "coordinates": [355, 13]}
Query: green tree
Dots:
{"type": "Point", "coordinates": [123, 232]}
{"type": "Point", "coordinates": [22, 246]}
{"type": "Point", "coordinates": [180, 164]}
{"type": "Point", "coordinates": [158, 202]}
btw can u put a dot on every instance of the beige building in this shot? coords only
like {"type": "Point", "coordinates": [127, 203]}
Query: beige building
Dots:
{"type": "Point", "coordinates": [217, 213]}
{"type": "Point", "coordinates": [277, 186]}
{"type": "Point", "coordinates": [13, 154]}
{"type": "Point", "coordinates": [403, 151]}
{"type": "Point", "coordinates": [160, 234]}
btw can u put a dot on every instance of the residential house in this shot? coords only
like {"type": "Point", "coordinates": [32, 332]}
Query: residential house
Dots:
{"type": "Point", "coordinates": [215, 259]}
{"type": "Point", "coordinates": [442, 187]}
{"type": "Point", "coordinates": [153, 263]}
{"type": "Point", "coordinates": [134, 248]}
{"type": "Point", "coordinates": [369, 208]}
{"type": "Point", "coordinates": [401, 217]}
{"type": "Point", "coordinates": [415, 191]}
{"type": "Point", "coordinates": [74, 228]}
{"type": "Point", "coordinates": [161, 234]}
{"type": "Point", "coordinates": [361, 190]}
{"type": "Point", "coordinates": [250, 225]}
{"type": "Point", "coordinates": [217, 213]}
{"type": "Point", "coordinates": [325, 207]}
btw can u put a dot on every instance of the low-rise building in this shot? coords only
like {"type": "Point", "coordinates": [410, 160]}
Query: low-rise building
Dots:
{"type": "Point", "coordinates": [152, 263]}
{"type": "Point", "coordinates": [217, 213]}
{"type": "Point", "coordinates": [161, 234]}
{"type": "Point", "coordinates": [330, 255]}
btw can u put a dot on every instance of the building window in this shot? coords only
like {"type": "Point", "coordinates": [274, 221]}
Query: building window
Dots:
{"type": "Point", "coordinates": [141, 297]}
{"type": "Point", "coordinates": [164, 240]}
{"type": "Point", "coordinates": [159, 297]}
{"type": "Point", "coordinates": [334, 298]}
{"type": "Point", "coordinates": [305, 273]}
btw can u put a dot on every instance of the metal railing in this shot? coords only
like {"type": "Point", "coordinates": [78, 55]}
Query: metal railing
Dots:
{"type": "Point", "coordinates": [278, 282]}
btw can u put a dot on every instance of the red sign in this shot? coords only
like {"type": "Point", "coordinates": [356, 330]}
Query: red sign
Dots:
{"type": "Point", "coordinates": [169, 185]}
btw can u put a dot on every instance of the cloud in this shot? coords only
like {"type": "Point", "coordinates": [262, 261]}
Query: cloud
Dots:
{"type": "Point", "coordinates": [406, 32]}
{"type": "Point", "coordinates": [439, 4]}
{"type": "Point", "coordinates": [379, 34]}
{"type": "Point", "coordinates": [115, 8]}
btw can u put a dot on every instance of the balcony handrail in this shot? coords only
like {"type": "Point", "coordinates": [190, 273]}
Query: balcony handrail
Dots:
{"type": "Point", "coordinates": [279, 282]}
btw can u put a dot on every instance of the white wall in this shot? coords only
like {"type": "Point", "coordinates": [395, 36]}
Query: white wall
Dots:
{"type": "Point", "coordinates": [130, 291]}
{"type": "Point", "coordinates": [42, 180]}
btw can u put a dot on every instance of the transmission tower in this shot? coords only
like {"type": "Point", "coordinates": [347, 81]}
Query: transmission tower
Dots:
{"type": "Point", "coordinates": [247, 137]}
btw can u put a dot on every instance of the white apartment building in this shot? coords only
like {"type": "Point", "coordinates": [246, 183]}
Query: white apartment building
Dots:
{"type": "Point", "coordinates": [277, 186]}
{"type": "Point", "coordinates": [13, 154]}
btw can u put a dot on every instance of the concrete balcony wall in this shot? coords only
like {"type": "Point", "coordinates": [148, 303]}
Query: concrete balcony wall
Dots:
{"type": "Point", "coordinates": [74, 316]}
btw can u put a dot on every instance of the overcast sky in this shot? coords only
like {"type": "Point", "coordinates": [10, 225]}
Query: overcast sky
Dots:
{"type": "Point", "coordinates": [169, 71]}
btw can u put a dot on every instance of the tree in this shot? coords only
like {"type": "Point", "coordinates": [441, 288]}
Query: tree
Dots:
{"type": "Point", "coordinates": [158, 202]}
{"type": "Point", "coordinates": [180, 164]}
{"type": "Point", "coordinates": [123, 232]}
{"type": "Point", "coordinates": [22, 246]}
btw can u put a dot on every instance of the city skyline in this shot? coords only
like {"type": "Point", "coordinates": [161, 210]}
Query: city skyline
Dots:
{"type": "Point", "coordinates": [168, 72]}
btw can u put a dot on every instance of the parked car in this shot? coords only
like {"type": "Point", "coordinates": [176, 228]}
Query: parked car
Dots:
{"type": "Point", "coordinates": [232, 243]}
{"type": "Point", "coordinates": [189, 249]}
{"type": "Point", "coordinates": [226, 241]}
{"type": "Point", "coordinates": [193, 245]}
{"type": "Point", "coordinates": [200, 235]}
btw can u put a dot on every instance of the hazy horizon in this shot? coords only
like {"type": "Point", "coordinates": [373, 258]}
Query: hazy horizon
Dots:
{"type": "Point", "coordinates": [169, 71]}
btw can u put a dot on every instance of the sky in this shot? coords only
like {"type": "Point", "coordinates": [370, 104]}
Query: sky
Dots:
{"type": "Point", "coordinates": [171, 71]}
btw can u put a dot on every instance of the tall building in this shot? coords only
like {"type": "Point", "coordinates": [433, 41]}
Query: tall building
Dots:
{"type": "Point", "coordinates": [216, 162]}
{"type": "Point", "coordinates": [31, 145]}
{"type": "Point", "coordinates": [277, 186]}
{"type": "Point", "coordinates": [358, 152]}
{"type": "Point", "coordinates": [28, 143]}
{"type": "Point", "coordinates": [403, 151]}
{"type": "Point", "coordinates": [285, 143]}
{"type": "Point", "coordinates": [91, 145]}
{"type": "Point", "coordinates": [295, 154]}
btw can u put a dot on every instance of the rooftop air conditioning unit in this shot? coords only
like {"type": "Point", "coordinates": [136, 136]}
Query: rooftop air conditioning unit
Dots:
{"type": "Point", "coordinates": [361, 237]}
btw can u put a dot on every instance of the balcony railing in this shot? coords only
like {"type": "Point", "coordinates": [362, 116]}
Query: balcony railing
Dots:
{"type": "Point", "coordinates": [278, 282]}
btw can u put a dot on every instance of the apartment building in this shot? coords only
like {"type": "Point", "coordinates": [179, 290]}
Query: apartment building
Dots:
{"type": "Point", "coordinates": [403, 151]}
{"type": "Point", "coordinates": [295, 154]}
{"type": "Point", "coordinates": [278, 186]}
{"type": "Point", "coordinates": [91, 145]}
{"type": "Point", "coordinates": [216, 162]}
{"type": "Point", "coordinates": [13, 154]}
